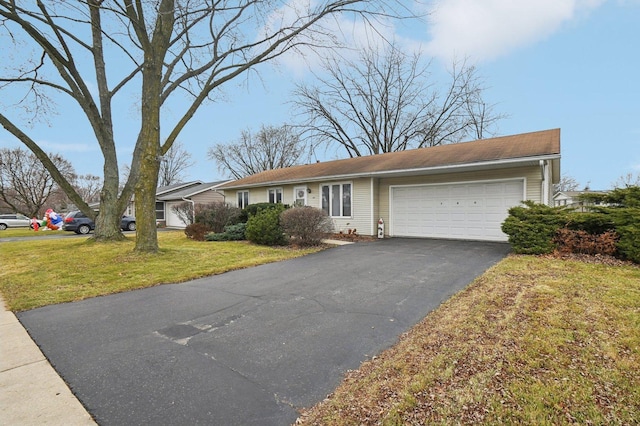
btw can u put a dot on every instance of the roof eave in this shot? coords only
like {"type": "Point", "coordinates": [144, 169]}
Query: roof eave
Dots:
{"type": "Point", "coordinates": [451, 168]}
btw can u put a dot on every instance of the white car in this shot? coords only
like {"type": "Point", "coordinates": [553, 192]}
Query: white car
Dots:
{"type": "Point", "coordinates": [14, 221]}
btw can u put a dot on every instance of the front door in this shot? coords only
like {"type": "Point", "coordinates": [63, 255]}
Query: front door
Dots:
{"type": "Point", "coordinates": [300, 196]}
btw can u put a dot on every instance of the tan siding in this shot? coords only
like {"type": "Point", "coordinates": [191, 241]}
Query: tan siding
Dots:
{"type": "Point", "coordinates": [208, 197]}
{"type": "Point", "coordinates": [531, 174]}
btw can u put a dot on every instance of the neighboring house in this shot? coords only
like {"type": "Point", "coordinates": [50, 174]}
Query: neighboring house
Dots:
{"type": "Point", "coordinates": [460, 191]}
{"type": "Point", "coordinates": [572, 199]}
{"type": "Point", "coordinates": [195, 192]}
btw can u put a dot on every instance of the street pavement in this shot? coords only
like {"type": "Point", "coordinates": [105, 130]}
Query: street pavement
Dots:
{"type": "Point", "coordinates": [249, 347]}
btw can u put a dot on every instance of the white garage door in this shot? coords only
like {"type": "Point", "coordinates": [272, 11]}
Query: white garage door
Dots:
{"type": "Point", "coordinates": [472, 211]}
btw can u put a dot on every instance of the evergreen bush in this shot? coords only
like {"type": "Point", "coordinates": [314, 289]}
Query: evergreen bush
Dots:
{"type": "Point", "coordinates": [264, 227]}
{"type": "Point", "coordinates": [231, 233]}
{"type": "Point", "coordinates": [531, 228]}
{"type": "Point", "coordinates": [253, 209]}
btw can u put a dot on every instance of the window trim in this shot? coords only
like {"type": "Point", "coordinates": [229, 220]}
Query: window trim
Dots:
{"type": "Point", "coordinates": [164, 210]}
{"type": "Point", "coordinates": [330, 185]}
{"type": "Point", "coordinates": [243, 198]}
{"type": "Point", "coordinates": [277, 190]}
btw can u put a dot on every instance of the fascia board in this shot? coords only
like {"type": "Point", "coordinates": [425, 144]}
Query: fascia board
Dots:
{"type": "Point", "coordinates": [406, 172]}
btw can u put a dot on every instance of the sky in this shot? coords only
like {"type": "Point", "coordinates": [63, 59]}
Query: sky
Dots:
{"type": "Point", "coordinates": [568, 64]}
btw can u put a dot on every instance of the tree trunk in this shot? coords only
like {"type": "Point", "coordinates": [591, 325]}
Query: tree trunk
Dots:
{"type": "Point", "coordinates": [149, 142]}
{"type": "Point", "coordinates": [145, 202]}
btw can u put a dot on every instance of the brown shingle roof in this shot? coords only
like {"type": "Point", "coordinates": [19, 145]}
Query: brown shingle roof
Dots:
{"type": "Point", "coordinates": [525, 145]}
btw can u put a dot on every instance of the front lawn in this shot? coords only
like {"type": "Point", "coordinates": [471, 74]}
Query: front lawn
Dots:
{"type": "Point", "coordinates": [37, 272]}
{"type": "Point", "coordinates": [26, 232]}
{"type": "Point", "coordinates": [532, 341]}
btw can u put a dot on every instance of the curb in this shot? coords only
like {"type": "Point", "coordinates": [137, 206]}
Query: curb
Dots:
{"type": "Point", "coordinates": [31, 391]}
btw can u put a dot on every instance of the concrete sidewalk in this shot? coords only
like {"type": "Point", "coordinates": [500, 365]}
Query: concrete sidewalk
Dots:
{"type": "Point", "coordinates": [31, 392]}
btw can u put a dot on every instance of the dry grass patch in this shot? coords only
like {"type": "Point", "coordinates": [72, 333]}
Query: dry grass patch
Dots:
{"type": "Point", "coordinates": [38, 272]}
{"type": "Point", "coordinates": [533, 341]}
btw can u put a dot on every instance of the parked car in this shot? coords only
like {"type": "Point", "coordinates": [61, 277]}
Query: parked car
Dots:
{"type": "Point", "coordinates": [14, 221]}
{"type": "Point", "coordinates": [79, 223]}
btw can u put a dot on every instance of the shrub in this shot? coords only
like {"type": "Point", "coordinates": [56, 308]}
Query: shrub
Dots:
{"type": "Point", "coordinates": [624, 197]}
{"type": "Point", "coordinates": [264, 227]}
{"type": "Point", "coordinates": [217, 215]}
{"type": "Point", "coordinates": [570, 241]}
{"type": "Point", "coordinates": [629, 242]}
{"type": "Point", "coordinates": [593, 223]}
{"type": "Point", "coordinates": [531, 228]}
{"type": "Point", "coordinates": [253, 209]}
{"type": "Point", "coordinates": [539, 229]}
{"type": "Point", "coordinates": [197, 231]}
{"type": "Point", "coordinates": [627, 225]}
{"type": "Point", "coordinates": [231, 233]}
{"type": "Point", "coordinates": [308, 225]}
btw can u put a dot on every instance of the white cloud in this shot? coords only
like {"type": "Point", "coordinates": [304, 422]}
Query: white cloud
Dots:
{"type": "Point", "coordinates": [484, 30]}
{"type": "Point", "coordinates": [337, 29]}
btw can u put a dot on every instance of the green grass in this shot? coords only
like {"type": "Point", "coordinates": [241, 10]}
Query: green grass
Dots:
{"type": "Point", "coordinates": [26, 232]}
{"type": "Point", "coordinates": [38, 272]}
{"type": "Point", "coordinates": [532, 341]}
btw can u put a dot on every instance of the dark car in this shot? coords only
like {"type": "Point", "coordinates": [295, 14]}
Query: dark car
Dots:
{"type": "Point", "coordinates": [79, 223]}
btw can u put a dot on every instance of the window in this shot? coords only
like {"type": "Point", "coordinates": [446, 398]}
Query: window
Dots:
{"type": "Point", "coordinates": [243, 199]}
{"type": "Point", "coordinates": [336, 199]}
{"type": "Point", "coordinates": [160, 210]}
{"type": "Point", "coordinates": [275, 195]}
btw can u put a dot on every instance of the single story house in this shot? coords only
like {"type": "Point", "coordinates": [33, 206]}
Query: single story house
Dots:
{"type": "Point", "coordinates": [195, 192]}
{"type": "Point", "coordinates": [459, 191]}
{"type": "Point", "coordinates": [572, 199]}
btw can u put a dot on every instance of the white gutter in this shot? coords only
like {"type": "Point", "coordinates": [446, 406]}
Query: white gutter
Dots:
{"type": "Point", "coordinates": [384, 173]}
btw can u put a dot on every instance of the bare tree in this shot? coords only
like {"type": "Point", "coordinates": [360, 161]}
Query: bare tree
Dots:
{"type": "Point", "coordinates": [567, 183]}
{"type": "Point", "coordinates": [386, 102]}
{"type": "Point", "coordinates": [174, 164]}
{"type": "Point", "coordinates": [159, 53]}
{"type": "Point", "coordinates": [88, 187]}
{"type": "Point", "coordinates": [270, 148]}
{"type": "Point", "coordinates": [627, 180]}
{"type": "Point", "coordinates": [25, 185]}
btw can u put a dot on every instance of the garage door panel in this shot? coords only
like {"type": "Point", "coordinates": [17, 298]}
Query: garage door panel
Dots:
{"type": "Point", "coordinates": [467, 211]}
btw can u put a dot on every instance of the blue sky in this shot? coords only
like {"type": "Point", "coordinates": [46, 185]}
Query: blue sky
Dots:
{"type": "Point", "coordinates": [569, 64]}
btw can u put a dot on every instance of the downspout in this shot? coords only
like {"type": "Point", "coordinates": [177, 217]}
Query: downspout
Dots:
{"type": "Point", "coordinates": [544, 170]}
{"type": "Point", "coordinates": [193, 209]}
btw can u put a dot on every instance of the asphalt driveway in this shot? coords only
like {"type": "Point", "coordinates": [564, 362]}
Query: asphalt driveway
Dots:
{"type": "Point", "coordinates": [249, 347]}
